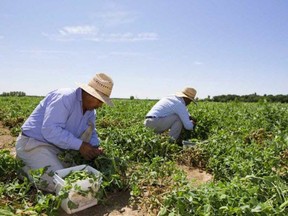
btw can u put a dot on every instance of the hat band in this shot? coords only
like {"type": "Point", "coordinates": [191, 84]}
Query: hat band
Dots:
{"type": "Point", "coordinates": [189, 96]}
{"type": "Point", "coordinates": [97, 85]}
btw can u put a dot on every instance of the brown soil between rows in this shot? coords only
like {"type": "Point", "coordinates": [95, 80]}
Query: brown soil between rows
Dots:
{"type": "Point", "coordinates": [117, 203]}
{"type": "Point", "coordinates": [6, 140]}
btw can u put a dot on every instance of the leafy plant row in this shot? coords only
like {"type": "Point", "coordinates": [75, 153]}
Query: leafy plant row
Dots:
{"type": "Point", "coordinates": [243, 145]}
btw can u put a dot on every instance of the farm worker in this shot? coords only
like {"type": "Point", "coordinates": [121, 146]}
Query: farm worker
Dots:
{"type": "Point", "coordinates": [170, 113]}
{"type": "Point", "coordinates": [64, 119]}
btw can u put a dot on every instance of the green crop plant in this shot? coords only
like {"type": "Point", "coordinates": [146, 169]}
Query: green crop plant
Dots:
{"type": "Point", "coordinates": [243, 145]}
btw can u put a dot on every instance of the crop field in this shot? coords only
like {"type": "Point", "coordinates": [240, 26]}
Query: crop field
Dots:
{"type": "Point", "coordinates": [244, 146]}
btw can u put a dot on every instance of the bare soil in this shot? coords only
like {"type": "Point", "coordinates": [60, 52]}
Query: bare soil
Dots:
{"type": "Point", "coordinates": [195, 175]}
{"type": "Point", "coordinates": [6, 140]}
{"type": "Point", "coordinates": [116, 203]}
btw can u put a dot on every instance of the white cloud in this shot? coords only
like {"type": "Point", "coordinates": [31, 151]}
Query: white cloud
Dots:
{"type": "Point", "coordinates": [40, 52]}
{"type": "Point", "coordinates": [78, 30]}
{"type": "Point", "coordinates": [198, 63]}
{"type": "Point", "coordinates": [128, 54]}
{"type": "Point", "coordinates": [112, 18]}
{"type": "Point", "coordinates": [127, 37]}
{"type": "Point", "coordinates": [91, 33]}
{"type": "Point", "coordinates": [122, 54]}
{"type": "Point", "coordinates": [45, 54]}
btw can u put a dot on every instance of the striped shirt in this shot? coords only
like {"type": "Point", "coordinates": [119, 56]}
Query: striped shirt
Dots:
{"type": "Point", "coordinates": [172, 105]}
{"type": "Point", "coordinates": [58, 119]}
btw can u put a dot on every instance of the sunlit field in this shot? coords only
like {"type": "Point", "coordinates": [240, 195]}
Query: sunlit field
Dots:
{"type": "Point", "coordinates": [244, 146]}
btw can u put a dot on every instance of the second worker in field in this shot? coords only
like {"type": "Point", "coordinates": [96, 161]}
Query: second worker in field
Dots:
{"type": "Point", "coordinates": [170, 113]}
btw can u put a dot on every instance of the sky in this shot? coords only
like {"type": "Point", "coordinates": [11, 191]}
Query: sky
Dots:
{"type": "Point", "coordinates": [150, 48]}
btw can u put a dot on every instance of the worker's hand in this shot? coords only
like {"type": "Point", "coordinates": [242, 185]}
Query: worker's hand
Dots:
{"type": "Point", "coordinates": [89, 152]}
{"type": "Point", "coordinates": [100, 150]}
{"type": "Point", "coordinates": [193, 120]}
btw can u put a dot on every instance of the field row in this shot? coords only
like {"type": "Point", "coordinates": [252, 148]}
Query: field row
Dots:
{"type": "Point", "coordinates": [243, 145]}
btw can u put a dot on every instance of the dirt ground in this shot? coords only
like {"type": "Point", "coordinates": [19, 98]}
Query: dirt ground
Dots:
{"type": "Point", "coordinates": [118, 203]}
{"type": "Point", "coordinates": [6, 140]}
{"type": "Point", "coordinates": [196, 175]}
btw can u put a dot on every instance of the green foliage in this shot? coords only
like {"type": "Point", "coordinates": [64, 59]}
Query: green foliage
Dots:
{"type": "Point", "coordinates": [19, 196]}
{"type": "Point", "coordinates": [241, 196]}
{"type": "Point", "coordinates": [249, 98]}
{"type": "Point", "coordinates": [13, 111]}
{"type": "Point", "coordinates": [150, 182]}
{"type": "Point", "coordinates": [73, 182]}
{"type": "Point", "coordinates": [8, 166]}
{"type": "Point", "coordinates": [243, 145]}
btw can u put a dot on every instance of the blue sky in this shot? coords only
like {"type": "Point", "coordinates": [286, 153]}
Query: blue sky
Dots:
{"type": "Point", "coordinates": [150, 48]}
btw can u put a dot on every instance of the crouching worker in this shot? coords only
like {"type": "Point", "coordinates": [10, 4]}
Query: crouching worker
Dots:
{"type": "Point", "coordinates": [170, 113]}
{"type": "Point", "coordinates": [64, 119]}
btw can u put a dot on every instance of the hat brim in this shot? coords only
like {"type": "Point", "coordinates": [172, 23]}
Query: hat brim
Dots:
{"type": "Point", "coordinates": [180, 94]}
{"type": "Point", "coordinates": [95, 93]}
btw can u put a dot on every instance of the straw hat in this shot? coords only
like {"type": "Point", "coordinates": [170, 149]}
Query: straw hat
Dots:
{"type": "Point", "coordinates": [187, 92]}
{"type": "Point", "coordinates": [100, 87]}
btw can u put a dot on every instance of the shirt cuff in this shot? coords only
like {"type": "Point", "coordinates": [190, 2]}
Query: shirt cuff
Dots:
{"type": "Point", "coordinates": [76, 145]}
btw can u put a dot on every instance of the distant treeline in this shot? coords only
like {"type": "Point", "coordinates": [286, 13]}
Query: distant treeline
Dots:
{"type": "Point", "coordinates": [14, 93]}
{"type": "Point", "coordinates": [220, 98]}
{"type": "Point", "coordinates": [249, 98]}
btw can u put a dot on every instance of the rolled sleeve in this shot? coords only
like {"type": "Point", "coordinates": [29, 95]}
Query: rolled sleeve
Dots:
{"type": "Point", "coordinates": [94, 138]}
{"type": "Point", "coordinates": [184, 116]}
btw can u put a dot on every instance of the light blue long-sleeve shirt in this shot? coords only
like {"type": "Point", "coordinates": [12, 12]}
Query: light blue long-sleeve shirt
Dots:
{"type": "Point", "coordinates": [172, 105]}
{"type": "Point", "coordinates": [58, 119]}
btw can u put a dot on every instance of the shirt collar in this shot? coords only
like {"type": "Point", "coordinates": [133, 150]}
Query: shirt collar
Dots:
{"type": "Point", "coordinates": [79, 94]}
{"type": "Point", "coordinates": [181, 99]}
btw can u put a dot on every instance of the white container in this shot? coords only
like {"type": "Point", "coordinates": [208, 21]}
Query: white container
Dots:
{"type": "Point", "coordinates": [83, 201]}
{"type": "Point", "coordinates": [188, 144]}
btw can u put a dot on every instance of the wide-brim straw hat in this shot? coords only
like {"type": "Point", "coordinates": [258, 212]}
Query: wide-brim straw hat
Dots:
{"type": "Point", "coordinates": [187, 92]}
{"type": "Point", "coordinates": [100, 87]}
